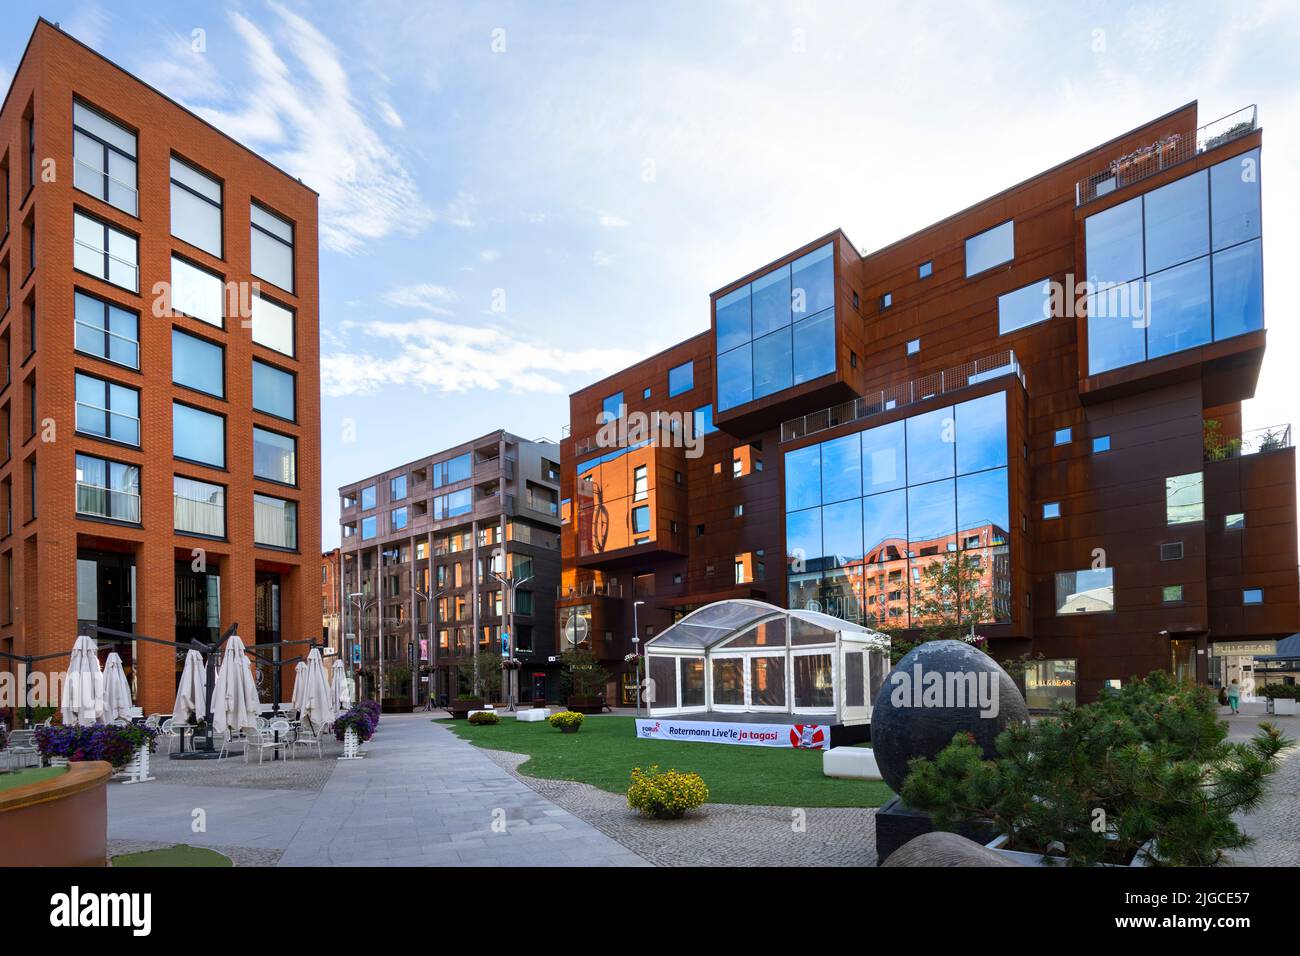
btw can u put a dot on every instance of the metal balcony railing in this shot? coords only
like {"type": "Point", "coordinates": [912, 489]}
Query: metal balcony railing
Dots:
{"type": "Point", "coordinates": [900, 396]}
{"type": "Point", "coordinates": [589, 589]}
{"type": "Point", "coordinates": [1174, 149]}
{"type": "Point", "coordinates": [1272, 438]}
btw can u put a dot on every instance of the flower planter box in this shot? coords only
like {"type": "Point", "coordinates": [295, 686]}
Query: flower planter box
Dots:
{"type": "Point", "coordinates": [459, 709]}
{"type": "Point", "coordinates": [1283, 706]}
{"type": "Point", "coordinates": [1024, 858]}
{"type": "Point", "coordinates": [586, 705]}
{"type": "Point", "coordinates": [396, 705]}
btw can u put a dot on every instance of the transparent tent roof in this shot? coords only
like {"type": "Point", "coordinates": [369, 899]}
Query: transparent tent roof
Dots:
{"type": "Point", "coordinates": [715, 623]}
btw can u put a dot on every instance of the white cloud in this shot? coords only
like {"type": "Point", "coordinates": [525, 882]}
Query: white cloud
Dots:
{"type": "Point", "coordinates": [87, 25]}
{"type": "Point", "coordinates": [433, 355]}
{"type": "Point", "coordinates": [389, 114]}
{"type": "Point", "coordinates": [613, 222]}
{"type": "Point", "coordinates": [490, 255]}
{"type": "Point", "coordinates": [602, 258]}
{"type": "Point", "coordinates": [306, 119]}
{"type": "Point", "coordinates": [182, 72]}
{"type": "Point", "coordinates": [425, 295]}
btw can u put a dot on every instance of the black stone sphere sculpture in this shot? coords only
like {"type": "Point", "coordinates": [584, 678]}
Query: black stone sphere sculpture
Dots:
{"type": "Point", "coordinates": [935, 691]}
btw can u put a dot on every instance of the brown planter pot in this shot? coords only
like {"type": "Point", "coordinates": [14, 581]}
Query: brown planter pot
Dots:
{"type": "Point", "coordinates": [459, 709]}
{"type": "Point", "coordinates": [395, 705]}
{"type": "Point", "coordinates": [584, 705]}
{"type": "Point", "coordinates": [571, 730]}
{"type": "Point", "coordinates": [61, 821]}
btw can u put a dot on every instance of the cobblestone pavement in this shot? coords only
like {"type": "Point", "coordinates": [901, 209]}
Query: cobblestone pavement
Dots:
{"type": "Point", "coordinates": [302, 772]}
{"type": "Point", "coordinates": [1276, 824]}
{"type": "Point", "coordinates": [717, 834]}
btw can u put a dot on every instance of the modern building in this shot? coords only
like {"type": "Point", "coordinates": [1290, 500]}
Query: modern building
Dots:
{"type": "Point", "coordinates": [1048, 383]}
{"type": "Point", "coordinates": [332, 600]}
{"type": "Point", "coordinates": [160, 400]}
{"type": "Point", "coordinates": [425, 549]}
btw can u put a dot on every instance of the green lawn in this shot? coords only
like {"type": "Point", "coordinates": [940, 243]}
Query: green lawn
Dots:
{"type": "Point", "coordinates": [604, 752]}
{"type": "Point", "coordinates": [179, 855]}
{"type": "Point", "coordinates": [31, 775]}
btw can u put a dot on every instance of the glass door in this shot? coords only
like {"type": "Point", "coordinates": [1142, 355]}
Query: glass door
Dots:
{"type": "Point", "coordinates": [1182, 663]}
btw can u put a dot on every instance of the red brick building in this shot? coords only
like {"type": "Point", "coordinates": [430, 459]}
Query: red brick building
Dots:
{"type": "Point", "coordinates": [161, 374]}
{"type": "Point", "coordinates": [1049, 382]}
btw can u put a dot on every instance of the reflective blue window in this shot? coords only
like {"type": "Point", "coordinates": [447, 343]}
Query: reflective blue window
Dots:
{"type": "Point", "coordinates": [814, 347]}
{"type": "Point", "coordinates": [368, 527]}
{"type": "Point", "coordinates": [198, 364]}
{"type": "Point", "coordinates": [813, 282]}
{"type": "Point", "coordinates": [1101, 443]}
{"type": "Point", "coordinates": [452, 470]}
{"type": "Point", "coordinates": [198, 435]}
{"type": "Point", "coordinates": [982, 510]}
{"type": "Point", "coordinates": [981, 430]}
{"type": "Point", "coordinates": [733, 319]}
{"type": "Point", "coordinates": [399, 519]}
{"type": "Point", "coordinates": [641, 520]}
{"type": "Point", "coordinates": [611, 407]}
{"type": "Point", "coordinates": [1113, 242]}
{"type": "Point", "coordinates": [930, 446]}
{"type": "Point", "coordinates": [106, 330]}
{"type": "Point", "coordinates": [1238, 290]}
{"type": "Point", "coordinates": [1116, 336]}
{"type": "Point", "coordinates": [1025, 306]}
{"type": "Point", "coordinates": [884, 458]}
{"type": "Point", "coordinates": [925, 270]}
{"type": "Point", "coordinates": [681, 379]}
{"type": "Point", "coordinates": [772, 369]}
{"type": "Point", "coordinates": [803, 478]}
{"type": "Point", "coordinates": [704, 420]}
{"type": "Point", "coordinates": [990, 248]}
{"type": "Point", "coordinates": [803, 540]}
{"type": "Point", "coordinates": [931, 518]}
{"type": "Point", "coordinates": [367, 497]}
{"type": "Point", "coordinates": [1179, 305]}
{"type": "Point", "coordinates": [1234, 199]}
{"type": "Point", "coordinates": [842, 533]}
{"type": "Point", "coordinates": [841, 469]}
{"type": "Point", "coordinates": [1177, 221]}
{"type": "Point", "coordinates": [884, 525]}
{"type": "Point", "coordinates": [735, 378]}
{"type": "Point", "coordinates": [770, 296]}
{"type": "Point", "coordinates": [273, 390]}
{"type": "Point", "coordinates": [453, 504]}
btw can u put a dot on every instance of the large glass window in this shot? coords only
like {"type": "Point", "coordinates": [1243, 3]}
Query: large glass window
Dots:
{"type": "Point", "coordinates": [884, 460]}
{"type": "Point", "coordinates": [107, 330]}
{"type": "Point", "coordinates": [990, 248]}
{"type": "Point", "coordinates": [197, 292]}
{"type": "Point", "coordinates": [1185, 498]}
{"type": "Point", "coordinates": [452, 470]}
{"type": "Point", "coordinates": [1050, 683]}
{"type": "Point", "coordinates": [367, 497]}
{"type": "Point", "coordinates": [931, 446]}
{"type": "Point", "coordinates": [453, 504]}
{"type": "Point", "coordinates": [397, 488]}
{"type": "Point", "coordinates": [108, 489]}
{"type": "Point", "coordinates": [767, 681]}
{"type": "Point", "coordinates": [273, 390]}
{"type": "Point", "coordinates": [107, 410]}
{"type": "Point", "coordinates": [777, 331]}
{"type": "Point", "coordinates": [105, 252]}
{"type": "Point", "coordinates": [841, 462]}
{"type": "Point", "coordinates": [813, 681]}
{"type": "Point", "coordinates": [1193, 246]}
{"type": "Point", "coordinates": [663, 678]}
{"type": "Point", "coordinates": [272, 325]}
{"type": "Point", "coordinates": [271, 248]}
{"type": "Point", "coordinates": [275, 456]}
{"type": "Point", "coordinates": [198, 435]}
{"type": "Point", "coordinates": [196, 207]}
{"type": "Point", "coordinates": [1025, 306]}
{"type": "Point", "coordinates": [729, 681]}
{"type": "Point", "coordinates": [275, 522]}
{"type": "Point", "coordinates": [103, 154]}
{"type": "Point", "coordinates": [398, 519]}
{"type": "Point", "coordinates": [803, 478]}
{"type": "Point", "coordinates": [198, 364]}
{"type": "Point", "coordinates": [692, 681]}
{"type": "Point", "coordinates": [1085, 592]}
{"type": "Point", "coordinates": [611, 407]}
{"type": "Point", "coordinates": [198, 507]}
{"type": "Point", "coordinates": [369, 526]}
{"type": "Point", "coordinates": [641, 520]}
{"type": "Point", "coordinates": [681, 379]}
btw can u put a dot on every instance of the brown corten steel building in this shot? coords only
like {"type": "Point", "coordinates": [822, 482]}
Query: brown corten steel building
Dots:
{"type": "Point", "coordinates": [161, 375]}
{"type": "Point", "coordinates": [1048, 383]}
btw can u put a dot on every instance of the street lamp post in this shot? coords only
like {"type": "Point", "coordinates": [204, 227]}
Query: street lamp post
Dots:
{"type": "Point", "coordinates": [357, 600]}
{"type": "Point", "coordinates": [510, 585]}
{"type": "Point", "coordinates": [636, 649]}
{"type": "Point", "coordinates": [429, 598]}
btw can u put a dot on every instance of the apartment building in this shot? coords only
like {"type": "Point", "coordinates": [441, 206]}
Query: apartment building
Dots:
{"type": "Point", "coordinates": [160, 399]}
{"type": "Point", "coordinates": [1047, 383]}
{"type": "Point", "coordinates": [431, 554]}
{"type": "Point", "coordinates": [332, 600]}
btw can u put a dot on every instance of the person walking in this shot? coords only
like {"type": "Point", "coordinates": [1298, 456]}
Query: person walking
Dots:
{"type": "Point", "coordinates": [1234, 695]}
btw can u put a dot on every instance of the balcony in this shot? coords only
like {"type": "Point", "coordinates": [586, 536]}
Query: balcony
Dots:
{"type": "Point", "coordinates": [900, 396]}
{"type": "Point", "coordinates": [102, 502]}
{"type": "Point", "coordinates": [1272, 438]}
{"type": "Point", "coordinates": [1154, 158]}
{"type": "Point", "coordinates": [585, 589]}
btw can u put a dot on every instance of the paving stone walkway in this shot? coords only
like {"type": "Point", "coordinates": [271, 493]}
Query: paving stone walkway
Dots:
{"type": "Point", "coordinates": [421, 797]}
{"type": "Point", "coordinates": [1276, 824]}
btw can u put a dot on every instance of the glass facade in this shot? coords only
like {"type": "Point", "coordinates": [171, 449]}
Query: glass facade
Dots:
{"type": "Point", "coordinates": [867, 513]}
{"type": "Point", "coordinates": [1178, 267]}
{"type": "Point", "coordinates": [778, 331]}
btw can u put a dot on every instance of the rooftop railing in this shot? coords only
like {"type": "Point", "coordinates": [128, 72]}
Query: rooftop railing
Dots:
{"type": "Point", "coordinates": [1272, 438]}
{"type": "Point", "coordinates": [1173, 149]}
{"type": "Point", "coordinates": [900, 396]}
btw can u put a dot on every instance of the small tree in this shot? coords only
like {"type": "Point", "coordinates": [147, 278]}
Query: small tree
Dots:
{"type": "Point", "coordinates": [583, 675]}
{"type": "Point", "coordinates": [481, 681]}
{"type": "Point", "coordinates": [948, 601]}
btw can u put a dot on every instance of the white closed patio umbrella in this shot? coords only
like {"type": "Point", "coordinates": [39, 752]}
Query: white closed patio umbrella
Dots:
{"type": "Point", "coordinates": [342, 691]}
{"type": "Point", "coordinates": [316, 699]}
{"type": "Point", "coordinates": [117, 692]}
{"type": "Point", "coordinates": [192, 694]}
{"type": "Point", "coordinates": [82, 699]}
{"type": "Point", "coordinates": [234, 697]}
{"type": "Point", "coordinates": [298, 670]}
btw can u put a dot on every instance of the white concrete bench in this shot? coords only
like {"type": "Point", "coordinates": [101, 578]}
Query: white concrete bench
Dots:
{"type": "Point", "coordinates": [854, 763]}
{"type": "Point", "coordinates": [534, 715]}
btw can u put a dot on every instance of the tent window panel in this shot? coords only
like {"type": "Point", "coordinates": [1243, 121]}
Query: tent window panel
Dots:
{"type": "Point", "coordinates": [767, 681]}
{"type": "Point", "coordinates": [692, 681]}
{"type": "Point", "coordinates": [876, 674]}
{"type": "Point", "coordinates": [729, 681]}
{"type": "Point", "coordinates": [663, 671]}
{"type": "Point", "coordinates": [766, 634]}
{"type": "Point", "coordinates": [812, 681]}
{"type": "Point", "coordinates": [854, 683]}
{"type": "Point", "coordinates": [802, 633]}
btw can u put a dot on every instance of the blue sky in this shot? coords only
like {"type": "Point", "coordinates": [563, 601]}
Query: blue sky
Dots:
{"type": "Point", "coordinates": [519, 198]}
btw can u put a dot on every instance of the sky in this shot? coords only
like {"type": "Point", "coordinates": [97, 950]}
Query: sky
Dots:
{"type": "Point", "coordinates": [518, 199]}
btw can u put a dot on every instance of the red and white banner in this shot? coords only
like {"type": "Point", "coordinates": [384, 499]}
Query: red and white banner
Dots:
{"type": "Point", "coordinates": [802, 736]}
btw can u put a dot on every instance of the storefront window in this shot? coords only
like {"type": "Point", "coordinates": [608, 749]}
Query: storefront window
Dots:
{"type": "Point", "coordinates": [1049, 683]}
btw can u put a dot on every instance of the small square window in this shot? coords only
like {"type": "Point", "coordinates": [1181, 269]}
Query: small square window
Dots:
{"type": "Point", "coordinates": [677, 477]}
{"type": "Point", "coordinates": [1062, 437]}
{"type": "Point", "coordinates": [1252, 596]}
{"type": "Point", "coordinates": [925, 269]}
{"type": "Point", "coordinates": [1052, 509]}
{"type": "Point", "coordinates": [1100, 443]}
{"type": "Point", "coordinates": [913, 347]}
{"type": "Point", "coordinates": [1171, 551]}
{"type": "Point", "coordinates": [855, 301]}
{"type": "Point", "coordinates": [699, 531]}
{"type": "Point", "coordinates": [645, 393]}
{"type": "Point", "coordinates": [677, 579]}
{"type": "Point", "coordinates": [1171, 593]}
{"type": "Point", "coordinates": [1234, 522]}
{"type": "Point", "coordinates": [738, 511]}
{"type": "Point", "coordinates": [886, 300]}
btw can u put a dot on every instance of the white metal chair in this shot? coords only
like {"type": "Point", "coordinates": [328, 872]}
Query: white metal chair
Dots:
{"type": "Point", "coordinates": [261, 741]}
{"type": "Point", "coordinates": [227, 739]}
{"type": "Point", "coordinates": [307, 737]}
{"type": "Point", "coordinates": [285, 730]}
{"type": "Point", "coordinates": [153, 721]}
{"type": "Point", "coordinates": [170, 732]}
